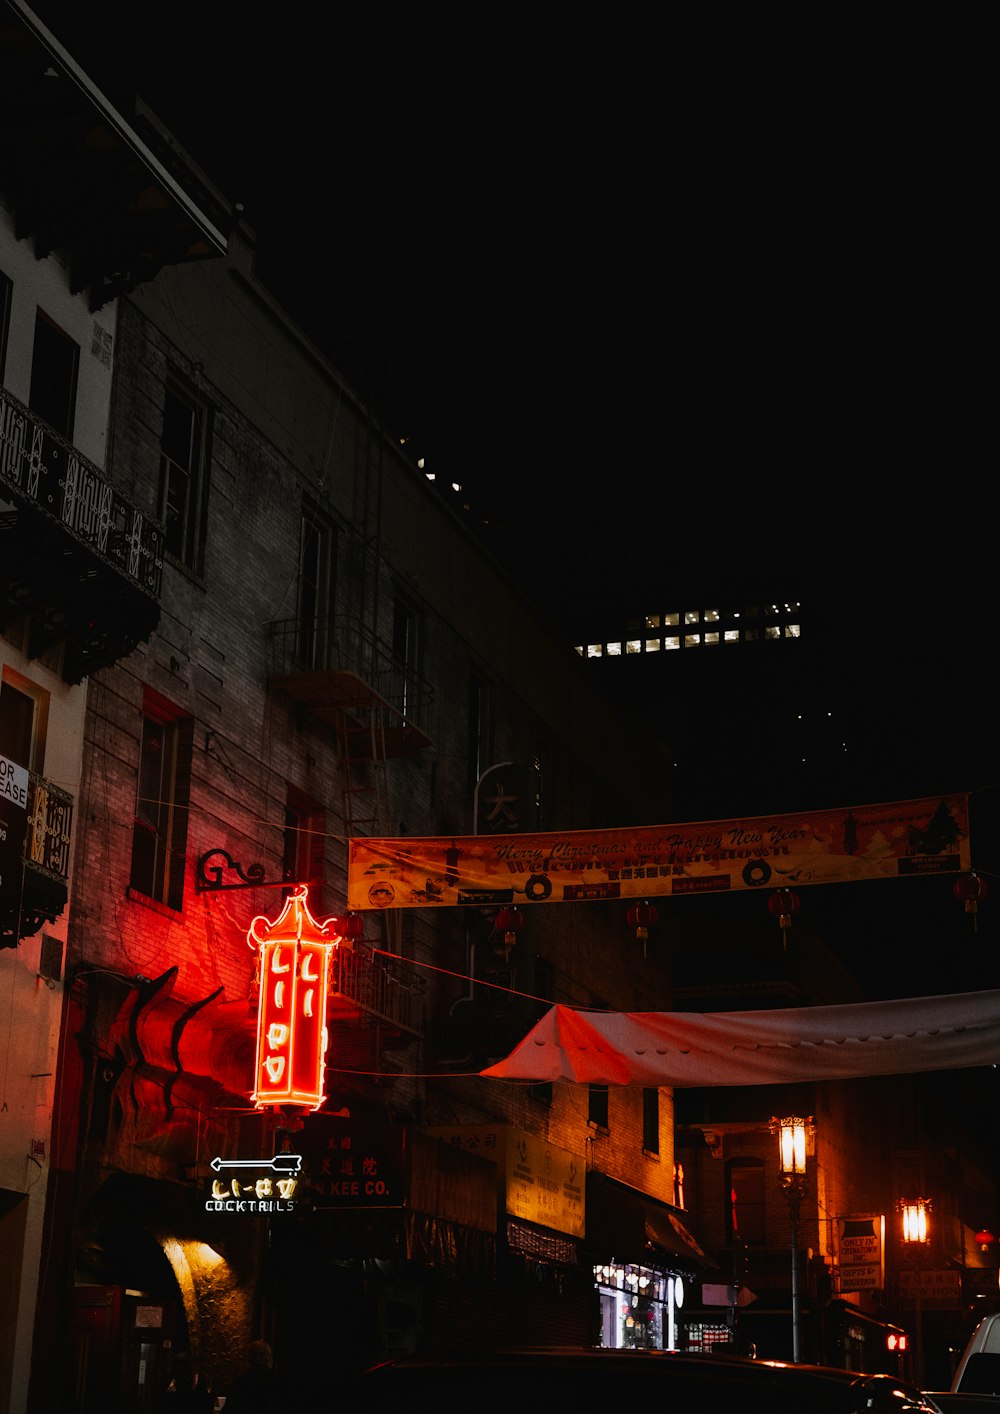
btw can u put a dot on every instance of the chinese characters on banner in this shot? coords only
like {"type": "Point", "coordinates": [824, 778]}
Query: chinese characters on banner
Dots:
{"type": "Point", "coordinates": [772, 851]}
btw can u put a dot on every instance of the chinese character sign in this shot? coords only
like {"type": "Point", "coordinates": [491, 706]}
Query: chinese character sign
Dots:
{"type": "Point", "coordinates": [295, 955]}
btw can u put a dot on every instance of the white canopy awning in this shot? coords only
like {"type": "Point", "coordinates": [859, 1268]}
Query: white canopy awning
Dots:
{"type": "Point", "coordinates": [759, 1047]}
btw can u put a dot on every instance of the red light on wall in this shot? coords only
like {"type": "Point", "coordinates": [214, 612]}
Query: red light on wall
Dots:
{"type": "Point", "coordinates": [295, 954]}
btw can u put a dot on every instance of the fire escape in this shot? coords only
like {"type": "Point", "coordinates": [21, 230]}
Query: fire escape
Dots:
{"type": "Point", "coordinates": [377, 707]}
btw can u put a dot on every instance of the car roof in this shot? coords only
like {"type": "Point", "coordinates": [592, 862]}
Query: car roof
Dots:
{"type": "Point", "coordinates": [597, 1374]}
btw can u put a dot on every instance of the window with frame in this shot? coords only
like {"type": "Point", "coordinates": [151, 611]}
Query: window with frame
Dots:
{"type": "Point", "coordinates": [314, 598]}
{"type": "Point", "coordinates": [305, 837]}
{"type": "Point", "coordinates": [597, 1106]}
{"type": "Point", "coordinates": [406, 655]}
{"type": "Point", "coordinates": [24, 715]}
{"type": "Point", "coordinates": [55, 366]}
{"type": "Point", "coordinates": [6, 291]}
{"type": "Point", "coordinates": [159, 830]}
{"type": "Point", "coordinates": [745, 1210]}
{"type": "Point", "coordinates": [184, 461]}
{"type": "Point", "coordinates": [651, 1120]}
{"type": "Point", "coordinates": [480, 728]}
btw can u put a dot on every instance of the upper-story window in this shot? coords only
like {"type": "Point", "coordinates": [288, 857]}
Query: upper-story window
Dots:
{"type": "Point", "coordinates": [745, 1209]}
{"type": "Point", "coordinates": [5, 293]}
{"type": "Point", "coordinates": [304, 845]}
{"type": "Point", "coordinates": [406, 653]}
{"type": "Point", "coordinates": [55, 364]}
{"type": "Point", "coordinates": [597, 1106]}
{"type": "Point", "coordinates": [24, 714]}
{"type": "Point", "coordinates": [159, 830]}
{"type": "Point", "coordinates": [651, 1120]}
{"type": "Point", "coordinates": [184, 459]}
{"type": "Point", "coordinates": [316, 585]}
{"type": "Point", "coordinates": [480, 727]}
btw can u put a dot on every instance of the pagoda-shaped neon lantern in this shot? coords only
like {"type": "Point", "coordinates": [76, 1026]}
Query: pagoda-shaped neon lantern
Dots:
{"type": "Point", "coordinates": [295, 954]}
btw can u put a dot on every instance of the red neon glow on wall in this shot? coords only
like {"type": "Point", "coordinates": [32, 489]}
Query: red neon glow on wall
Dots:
{"type": "Point", "coordinates": [295, 954]}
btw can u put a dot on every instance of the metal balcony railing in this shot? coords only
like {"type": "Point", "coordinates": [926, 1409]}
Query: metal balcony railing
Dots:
{"type": "Point", "coordinates": [334, 665]}
{"type": "Point", "coordinates": [44, 470]}
{"type": "Point", "coordinates": [384, 988]}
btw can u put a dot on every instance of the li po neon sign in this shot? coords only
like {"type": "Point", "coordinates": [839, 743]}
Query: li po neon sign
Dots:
{"type": "Point", "coordinates": [295, 952]}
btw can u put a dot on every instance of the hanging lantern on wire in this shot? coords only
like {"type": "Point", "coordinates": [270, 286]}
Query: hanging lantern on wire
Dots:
{"type": "Point", "coordinates": [969, 889]}
{"type": "Point", "coordinates": [507, 922]}
{"type": "Point", "coordinates": [351, 927]}
{"type": "Point", "coordinates": [782, 905]}
{"type": "Point", "coordinates": [641, 917]}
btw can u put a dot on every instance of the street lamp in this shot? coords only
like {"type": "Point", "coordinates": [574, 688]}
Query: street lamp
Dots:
{"type": "Point", "coordinates": [915, 1213]}
{"type": "Point", "coordinates": [791, 1132]}
{"type": "Point", "coordinates": [916, 1226]}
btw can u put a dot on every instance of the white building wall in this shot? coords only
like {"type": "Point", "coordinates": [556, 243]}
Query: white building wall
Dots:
{"type": "Point", "coordinates": [30, 1005]}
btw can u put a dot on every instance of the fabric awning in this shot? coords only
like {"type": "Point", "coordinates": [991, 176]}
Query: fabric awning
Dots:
{"type": "Point", "coordinates": [759, 1047]}
{"type": "Point", "coordinates": [630, 1226]}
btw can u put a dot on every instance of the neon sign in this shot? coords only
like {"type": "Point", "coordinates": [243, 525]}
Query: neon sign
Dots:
{"type": "Point", "coordinates": [295, 954]}
{"type": "Point", "coordinates": [272, 1192]}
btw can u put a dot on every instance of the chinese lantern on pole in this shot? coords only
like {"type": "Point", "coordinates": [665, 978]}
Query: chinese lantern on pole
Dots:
{"type": "Point", "coordinates": [782, 905]}
{"type": "Point", "coordinates": [641, 917]}
{"type": "Point", "coordinates": [507, 922]}
{"type": "Point", "coordinates": [969, 889]}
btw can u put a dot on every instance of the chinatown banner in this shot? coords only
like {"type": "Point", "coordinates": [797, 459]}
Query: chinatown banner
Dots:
{"type": "Point", "coordinates": [891, 841]}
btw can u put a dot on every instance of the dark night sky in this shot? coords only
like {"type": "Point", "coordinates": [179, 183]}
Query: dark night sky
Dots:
{"type": "Point", "coordinates": [677, 322]}
{"type": "Point", "coordinates": [682, 309]}
{"type": "Point", "coordinates": [668, 314]}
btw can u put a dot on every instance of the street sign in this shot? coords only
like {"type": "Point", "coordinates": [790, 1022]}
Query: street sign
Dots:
{"type": "Point", "coordinates": [861, 1249]}
{"type": "Point", "coordinates": [937, 1288]}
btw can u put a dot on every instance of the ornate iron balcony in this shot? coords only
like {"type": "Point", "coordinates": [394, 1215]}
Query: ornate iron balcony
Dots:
{"type": "Point", "coordinates": [41, 469]}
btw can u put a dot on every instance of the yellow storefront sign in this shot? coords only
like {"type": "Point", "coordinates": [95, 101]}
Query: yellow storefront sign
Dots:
{"type": "Point", "coordinates": [539, 1182]}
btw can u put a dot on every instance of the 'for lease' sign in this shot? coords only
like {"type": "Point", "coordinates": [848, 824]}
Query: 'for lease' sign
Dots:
{"type": "Point", "coordinates": [13, 824]}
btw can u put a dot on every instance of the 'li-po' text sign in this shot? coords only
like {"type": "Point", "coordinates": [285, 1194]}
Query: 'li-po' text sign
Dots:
{"type": "Point", "coordinates": [254, 1192]}
{"type": "Point", "coordinates": [295, 955]}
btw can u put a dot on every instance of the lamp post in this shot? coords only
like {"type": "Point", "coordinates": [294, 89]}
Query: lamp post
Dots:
{"type": "Point", "coordinates": [791, 1132]}
{"type": "Point", "coordinates": [916, 1232]}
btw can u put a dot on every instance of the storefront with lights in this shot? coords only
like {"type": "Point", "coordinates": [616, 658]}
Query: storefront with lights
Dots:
{"type": "Point", "coordinates": [646, 1263]}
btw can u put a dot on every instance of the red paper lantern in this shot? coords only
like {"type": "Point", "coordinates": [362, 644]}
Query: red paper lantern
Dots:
{"type": "Point", "coordinates": [969, 889]}
{"type": "Point", "coordinates": [351, 927]}
{"type": "Point", "coordinates": [641, 917]}
{"type": "Point", "coordinates": [507, 922]}
{"type": "Point", "coordinates": [985, 1239]}
{"type": "Point", "coordinates": [782, 905]}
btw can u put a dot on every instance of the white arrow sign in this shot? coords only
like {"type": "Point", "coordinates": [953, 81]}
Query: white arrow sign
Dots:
{"type": "Point", "coordinates": [281, 1163]}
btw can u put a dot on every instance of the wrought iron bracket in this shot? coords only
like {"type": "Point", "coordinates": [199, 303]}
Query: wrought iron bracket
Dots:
{"type": "Point", "coordinates": [208, 878]}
